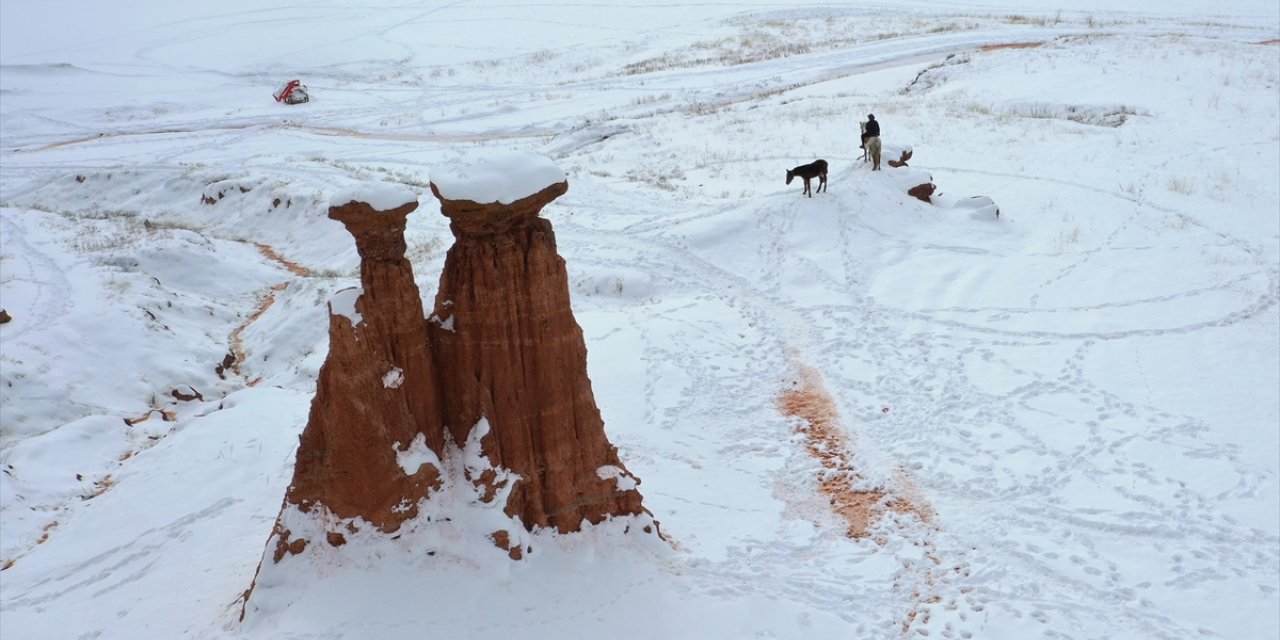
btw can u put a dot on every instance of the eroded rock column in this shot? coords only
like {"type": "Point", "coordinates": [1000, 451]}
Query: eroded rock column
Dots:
{"type": "Point", "coordinates": [368, 455]}
{"type": "Point", "coordinates": [377, 391]}
{"type": "Point", "coordinates": [512, 353]}
{"type": "Point", "coordinates": [420, 429]}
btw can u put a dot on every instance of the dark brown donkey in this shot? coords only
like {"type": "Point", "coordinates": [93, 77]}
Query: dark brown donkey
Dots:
{"type": "Point", "coordinates": [817, 168]}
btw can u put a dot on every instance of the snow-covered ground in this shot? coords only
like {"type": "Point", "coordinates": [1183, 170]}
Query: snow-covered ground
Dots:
{"type": "Point", "coordinates": [1083, 394]}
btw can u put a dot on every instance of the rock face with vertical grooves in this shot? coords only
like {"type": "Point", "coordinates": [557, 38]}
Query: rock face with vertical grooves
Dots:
{"type": "Point", "coordinates": [516, 356]}
{"type": "Point", "coordinates": [501, 362]}
{"type": "Point", "coordinates": [377, 390]}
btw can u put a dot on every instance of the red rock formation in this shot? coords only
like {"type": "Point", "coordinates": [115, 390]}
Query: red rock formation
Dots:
{"type": "Point", "coordinates": [376, 393]}
{"type": "Point", "coordinates": [377, 389]}
{"type": "Point", "coordinates": [514, 355]}
{"type": "Point", "coordinates": [504, 365]}
{"type": "Point", "coordinates": [919, 184]}
{"type": "Point", "coordinates": [922, 191]}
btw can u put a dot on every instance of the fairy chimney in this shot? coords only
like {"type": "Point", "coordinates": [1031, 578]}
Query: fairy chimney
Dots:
{"type": "Point", "coordinates": [402, 400]}
{"type": "Point", "coordinates": [377, 391]}
{"type": "Point", "coordinates": [514, 353]}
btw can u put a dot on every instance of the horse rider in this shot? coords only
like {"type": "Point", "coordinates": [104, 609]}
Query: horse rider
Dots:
{"type": "Point", "coordinates": [872, 136]}
{"type": "Point", "coordinates": [873, 129]}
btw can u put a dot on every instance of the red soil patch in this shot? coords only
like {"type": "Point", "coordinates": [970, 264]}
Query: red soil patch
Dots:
{"type": "Point", "coordinates": [271, 254]}
{"type": "Point", "coordinates": [237, 344]}
{"type": "Point", "coordinates": [1010, 45]}
{"type": "Point", "coordinates": [165, 414]}
{"type": "Point", "coordinates": [268, 299]}
{"type": "Point", "coordinates": [925, 593]}
{"type": "Point", "coordinates": [44, 537]}
{"type": "Point", "coordinates": [826, 441]}
{"type": "Point", "coordinates": [99, 487]}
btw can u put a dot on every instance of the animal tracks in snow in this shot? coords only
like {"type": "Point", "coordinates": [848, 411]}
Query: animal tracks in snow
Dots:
{"type": "Point", "coordinates": [999, 415]}
{"type": "Point", "coordinates": [1048, 385]}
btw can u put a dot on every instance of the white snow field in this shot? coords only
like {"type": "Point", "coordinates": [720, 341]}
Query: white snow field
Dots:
{"type": "Point", "coordinates": [1082, 397]}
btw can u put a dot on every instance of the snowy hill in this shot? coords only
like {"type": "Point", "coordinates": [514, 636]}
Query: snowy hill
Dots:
{"type": "Point", "coordinates": [1080, 399]}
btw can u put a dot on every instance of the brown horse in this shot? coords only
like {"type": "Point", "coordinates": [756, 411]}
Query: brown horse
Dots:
{"type": "Point", "coordinates": [816, 169]}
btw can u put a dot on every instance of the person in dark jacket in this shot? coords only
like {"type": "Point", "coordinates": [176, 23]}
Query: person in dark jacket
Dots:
{"type": "Point", "coordinates": [871, 141]}
{"type": "Point", "coordinates": [872, 128]}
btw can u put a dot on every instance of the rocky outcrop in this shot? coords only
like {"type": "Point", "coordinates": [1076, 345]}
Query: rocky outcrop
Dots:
{"type": "Point", "coordinates": [922, 191]}
{"type": "Point", "coordinates": [376, 394]}
{"type": "Point", "coordinates": [919, 184]}
{"type": "Point", "coordinates": [489, 399]}
{"type": "Point", "coordinates": [516, 355]}
{"type": "Point", "coordinates": [377, 390]}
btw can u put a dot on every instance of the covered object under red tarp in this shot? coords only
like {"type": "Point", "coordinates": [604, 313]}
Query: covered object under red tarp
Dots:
{"type": "Point", "coordinates": [291, 92]}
